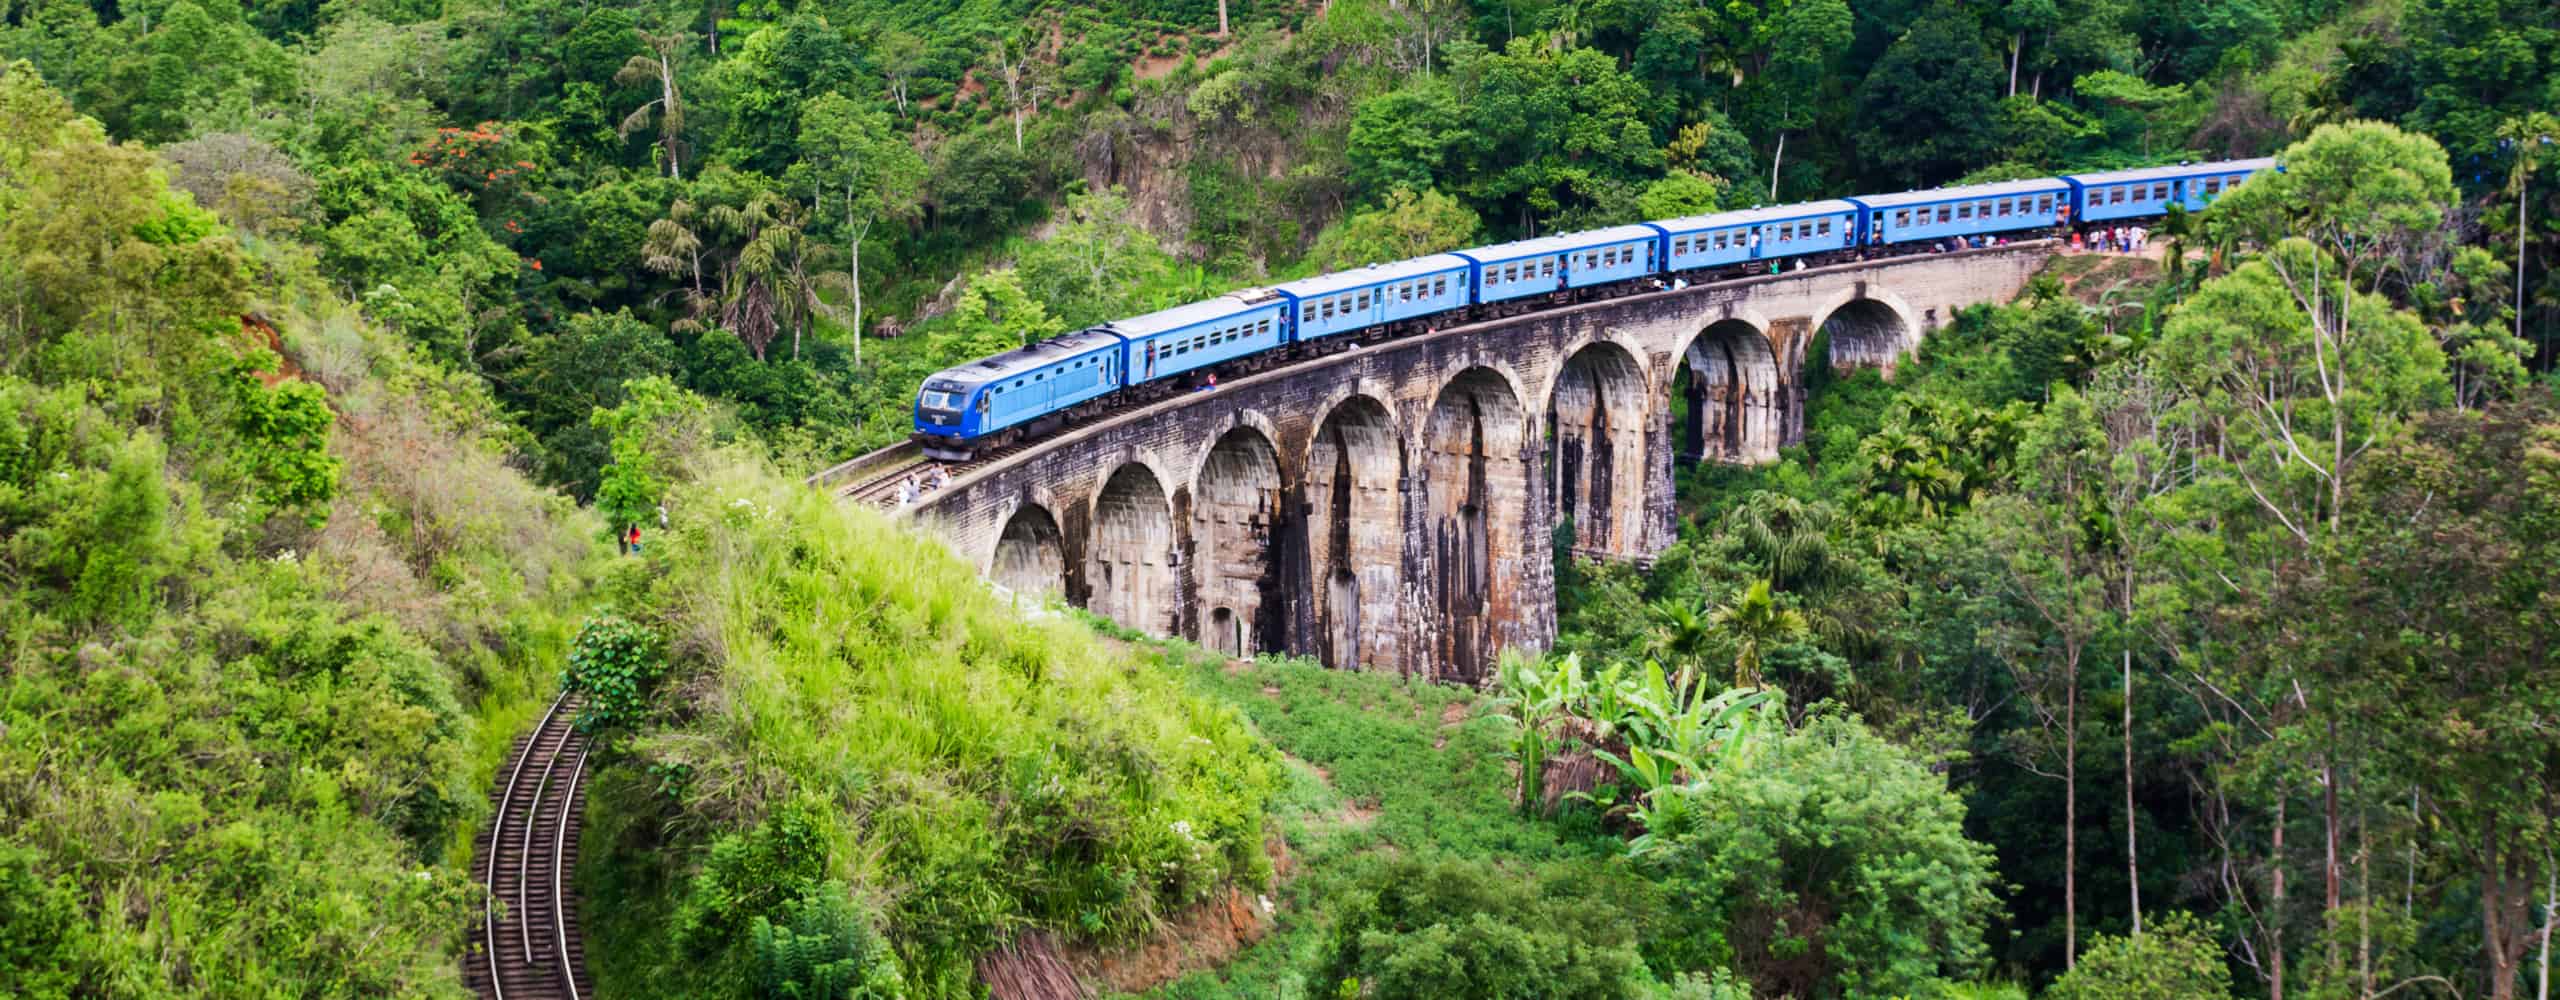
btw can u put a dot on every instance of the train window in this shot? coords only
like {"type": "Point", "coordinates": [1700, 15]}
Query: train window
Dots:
{"type": "Point", "coordinates": [1440, 287]}
{"type": "Point", "coordinates": [1945, 215]}
{"type": "Point", "coordinates": [1263, 328]}
{"type": "Point", "coordinates": [1964, 211]}
{"type": "Point", "coordinates": [2001, 206]}
{"type": "Point", "coordinates": [1328, 308]}
{"type": "Point", "coordinates": [1822, 228]}
{"type": "Point", "coordinates": [2044, 204]}
{"type": "Point", "coordinates": [1309, 316]}
{"type": "Point", "coordinates": [1360, 303]}
{"type": "Point", "coordinates": [2160, 192]}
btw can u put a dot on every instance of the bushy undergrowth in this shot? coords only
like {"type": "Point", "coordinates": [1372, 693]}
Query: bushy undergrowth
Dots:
{"type": "Point", "coordinates": [846, 703]}
{"type": "Point", "coordinates": [268, 593]}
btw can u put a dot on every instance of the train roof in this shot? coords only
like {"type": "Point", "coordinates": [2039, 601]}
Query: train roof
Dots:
{"type": "Point", "coordinates": [1371, 275]}
{"type": "Point", "coordinates": [1752, 216]}
{"type": "Point", "coordinates": [1193, 314]}
{"type": "Point", "coordinates": [1557, 244]}
{"type": "Point", "coordinates": [2173, 171]}
{"type": "Point", "coordinates": [2032, 185]}
{"type": "Point", "coordinates": [1015, 362]}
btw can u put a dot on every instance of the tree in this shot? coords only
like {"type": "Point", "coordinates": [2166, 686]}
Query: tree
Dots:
{"type": "Point", "coordinates": [668, 108]}
{"type": "Point", "coordinates": [1754, 625]}
{"type": "Point", "coordinates": [1404, 226]}
{"type": "Point", "coordinates": [2052, 562]}
{"type": "Point", "coordinates": [656, 432]}
{"type": "Point", "coordinates": [1095, 260]}
{"type": "Point", "coordinates": [1679, 193]}
{"type": "Point", "coordinates": [995, 315]}
{"type": "Point", "coordinates": [1836, 862]}
{"type": "Point", "coordinates": [1928, 111]}
{"type": "Point", "coordinates": [1401, 139]}
{"type": "Point", "coordinates": [900, 55]}
{"type": "Point", "coordinates": [2177, 960]}
{"type": "Point", "coordinates": [851, 152]}
{"type": "Point", "coordinates": [2449, 622]}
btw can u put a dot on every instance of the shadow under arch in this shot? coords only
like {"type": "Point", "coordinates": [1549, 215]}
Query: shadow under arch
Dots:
{"type": "Point", "coordinates": [1597, 417]}
{"type": "Point", "coordinates": [1238, 525]}
{"type": "Point", "coordinates": [1130, 570]}
{"type": "Point", "coordinates": [1355, 474]}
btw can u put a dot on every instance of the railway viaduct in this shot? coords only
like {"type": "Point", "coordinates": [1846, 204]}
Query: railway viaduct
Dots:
{"type": "Point", "coordinates": [1392, 507]}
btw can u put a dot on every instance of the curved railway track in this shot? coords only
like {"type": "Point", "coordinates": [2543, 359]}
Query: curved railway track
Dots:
{"type": "Point", "coordinates": [526, 944]}
{"type": "Point", "coordinates": [882, 490]}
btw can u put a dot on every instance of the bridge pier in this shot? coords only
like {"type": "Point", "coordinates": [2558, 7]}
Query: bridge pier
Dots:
{"type": "Point", "coordinates": [1392, 507]}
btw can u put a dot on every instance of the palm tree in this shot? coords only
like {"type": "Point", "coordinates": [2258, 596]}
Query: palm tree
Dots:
{"type": "Point", "coordinates": [658, 65]}
{"type": "Point", "coordinates": [1754, 624]}
{"type": "Point", "coordinates": [1682, 634]}
{"type": "Point", "coordinates": [672, 248]}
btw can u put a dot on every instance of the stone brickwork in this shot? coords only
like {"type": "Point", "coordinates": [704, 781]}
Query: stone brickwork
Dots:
{"type": "Point", "coordinates": [1391, 507]}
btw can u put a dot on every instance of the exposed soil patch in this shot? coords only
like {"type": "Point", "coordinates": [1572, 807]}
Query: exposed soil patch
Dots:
{"type": "Point", "coordinates": [1203, 937]}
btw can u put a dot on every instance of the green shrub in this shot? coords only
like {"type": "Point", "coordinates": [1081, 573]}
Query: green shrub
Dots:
{"type": "Point", "coordinates": [614, 664]}
{"type": "Point", "coordinates": [1836, 863]}
{"type": "Point", "coordinates": [822, 948]}
{"type": "Point", "coordinates": [2174, 958]}
{"type": "Point", "coordinates": [1449, 928]}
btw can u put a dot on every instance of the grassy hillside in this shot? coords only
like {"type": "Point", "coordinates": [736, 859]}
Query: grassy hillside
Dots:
{"type": "Point", "coordinates": [845, 714]}
{"type": "Point", "coordinates": [272, 601]}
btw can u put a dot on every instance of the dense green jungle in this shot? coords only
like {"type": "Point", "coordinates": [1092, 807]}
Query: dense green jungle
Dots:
{"type": "Point", "coordinates": [2185, 628]}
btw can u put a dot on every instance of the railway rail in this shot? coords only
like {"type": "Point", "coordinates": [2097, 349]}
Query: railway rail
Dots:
{"type": "Point", "coordinates": [526, 944]}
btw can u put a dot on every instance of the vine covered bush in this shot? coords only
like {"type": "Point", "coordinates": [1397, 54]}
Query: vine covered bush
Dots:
{"type": "Point", "coordinates": [614, 663]}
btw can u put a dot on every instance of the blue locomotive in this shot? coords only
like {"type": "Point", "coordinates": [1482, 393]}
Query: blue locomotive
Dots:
{"type": "Point", "coordinates": [1029, 392]}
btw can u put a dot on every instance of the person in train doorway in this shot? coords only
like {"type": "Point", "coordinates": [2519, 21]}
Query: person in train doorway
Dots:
{"type": "Point", "coordinates": [1151, 359]}
{"type": "Point", "coordinates": [1755, 244]}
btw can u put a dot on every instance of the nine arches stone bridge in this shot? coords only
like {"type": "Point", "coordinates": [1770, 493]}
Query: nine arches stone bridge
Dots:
{"type": "Point", "coordinates": [1392, 507]}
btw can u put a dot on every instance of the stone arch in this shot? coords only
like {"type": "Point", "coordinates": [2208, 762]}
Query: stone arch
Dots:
{"type": "Point", "coordinates": [1867, 331]}
{"type": "Point", "coordinates": [1355, 533]}
{"type": "Point", "coordinates": [1728, 379]}
{"type": "Point", "coordinates": [1030, 557]}
{"type": "Point", "coordinates": [1597, 416]}
{"type": "Point", "coordinates": [1478, 483]}
{"type": "Point", "coordinates": [1131, 557]}
{"type": "Point", "coordinates": [1238, 527]}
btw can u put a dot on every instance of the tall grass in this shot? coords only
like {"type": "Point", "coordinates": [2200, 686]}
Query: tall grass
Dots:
{"type": "Point", "coordinates": [974, 773]}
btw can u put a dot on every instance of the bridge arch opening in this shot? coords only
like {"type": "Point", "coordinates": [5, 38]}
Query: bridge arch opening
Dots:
{"type": "Point", "coordinates": [1597, 417]}
{"type": "Point", "coordinates": [1734, 409]}
{"type": "Point", "coordinates": [1355, 533]}
{"type": "Point", "coordinates": [1476, 488]}
{"type": "Point", "coordinates": [1030, 558]}
{"type": "Point", "coordinates": [1867, 333]}
{"type": "Point", "coordinates": [1132, 551]}
{"type": "Point", "coordinates": [1238, 524]}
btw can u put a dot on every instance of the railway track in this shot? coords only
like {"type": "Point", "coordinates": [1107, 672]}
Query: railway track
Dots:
{"type": "Point", "coordinates": [882, 490]}
{"type": "Point", "coordinates": [526, 944]}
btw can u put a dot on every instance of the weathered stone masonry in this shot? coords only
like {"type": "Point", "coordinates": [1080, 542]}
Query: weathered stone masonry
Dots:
{"type": "Point", "coordinates": [1391, 507]}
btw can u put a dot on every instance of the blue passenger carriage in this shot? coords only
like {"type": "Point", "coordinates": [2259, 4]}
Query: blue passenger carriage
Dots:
{"type": "Point", "coordinates": [2148, 191]}
{"type": "Point", "coordinates": [959, 405]}
{"type": "Point", "coordinates": [1752, 234]}
{"type": "Point", "coordinates": [1517, 270]}
{"type": "Point", "coordinates": [1971, 210]}
{"type": "Point", "coordinates": [1329, 304]}
{"type": "Point", "coordinates": [1169, 342]}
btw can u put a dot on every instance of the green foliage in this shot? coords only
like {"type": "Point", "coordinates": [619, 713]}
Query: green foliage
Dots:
{"type": "Point", "coordinates": [1421, 928]}
{"type": "Point", "coordinates": [655, 432]}
{"type": "Point", "coordinates": [856, 707]}
{"type": "Point", "coordinates": [824, 949]}
{"type": "Point", "coordinates": [2174, 958]}
{"type": "Point", "coordinates": [1404, 226]}
{"type": "Point", "coordinates": [284, 440]}
{"type": "Point", "coordinates": [1836, 858]}
{"type": "Point", "coordinates": [613, 665]}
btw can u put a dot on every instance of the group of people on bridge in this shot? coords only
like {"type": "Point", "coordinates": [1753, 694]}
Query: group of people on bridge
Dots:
{"type": "Point", "coordinates": [933, 477]}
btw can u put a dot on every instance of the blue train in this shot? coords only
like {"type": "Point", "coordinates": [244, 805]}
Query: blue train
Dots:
{"type": "Point", "coordinates": [996, 401]}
